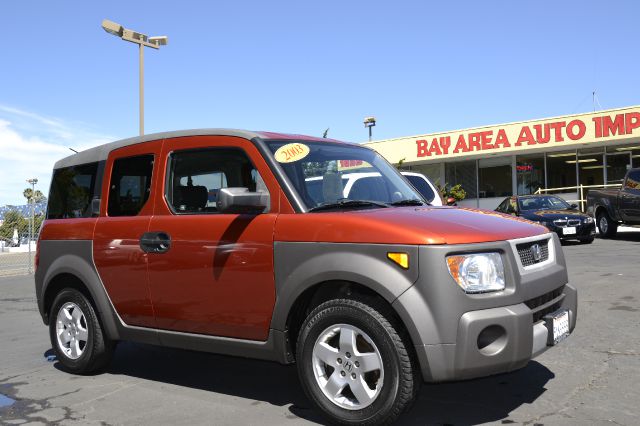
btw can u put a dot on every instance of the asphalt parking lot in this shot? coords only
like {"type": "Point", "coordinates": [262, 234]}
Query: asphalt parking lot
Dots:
{"type": "Point", "coordinates": [591, 378]}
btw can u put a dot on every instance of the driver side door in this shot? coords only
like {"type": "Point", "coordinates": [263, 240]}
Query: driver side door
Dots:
{"type": "Point", "coordinates": [214, 275]}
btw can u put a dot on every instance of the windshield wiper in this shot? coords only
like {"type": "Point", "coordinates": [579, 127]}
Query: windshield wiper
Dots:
{"type": "Point", "coordinates": [411, 202]}
{"type": "Point", "coordinates": [345, 204]}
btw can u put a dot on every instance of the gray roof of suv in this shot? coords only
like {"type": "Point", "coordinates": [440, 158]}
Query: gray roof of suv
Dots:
{"type": "Point", "coordinates": [101, 152]}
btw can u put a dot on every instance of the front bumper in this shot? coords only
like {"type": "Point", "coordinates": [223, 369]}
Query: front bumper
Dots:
{"type": "Point", "coordinates": [583, 232]}
{"type": "Point", "coordinates": [497, 340]}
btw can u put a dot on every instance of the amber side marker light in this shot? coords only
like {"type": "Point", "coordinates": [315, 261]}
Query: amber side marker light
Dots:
{"type": "Point", "coordinates": [402, 259]}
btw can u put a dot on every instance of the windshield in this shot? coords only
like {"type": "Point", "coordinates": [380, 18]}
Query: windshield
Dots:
{"type": "Point", "coordinates": [325, 173]}
{"type": "Point", "coordinates": [543, 203]}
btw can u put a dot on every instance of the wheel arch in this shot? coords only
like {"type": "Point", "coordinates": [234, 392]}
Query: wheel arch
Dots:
{"type": "Point", "coordinates": [321, 292]}
{"type": "Point", "coordinates": [72, 271]}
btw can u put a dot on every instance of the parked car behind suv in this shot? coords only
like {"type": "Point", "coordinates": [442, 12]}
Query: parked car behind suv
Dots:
{"type": "Point", "coordinates": [554, 213]}
{"type": "Point", "coordinates": [212, 240]}
{"type": "Point", "coordinates": [359, 185]}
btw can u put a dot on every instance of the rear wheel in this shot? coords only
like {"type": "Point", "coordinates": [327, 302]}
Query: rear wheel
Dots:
{"type": "Point", "coordinates": [607, 226]}
{"type": "Point", "coordinates": [77, 338]}
{"type": "Point", "coordinates": [355, 365]}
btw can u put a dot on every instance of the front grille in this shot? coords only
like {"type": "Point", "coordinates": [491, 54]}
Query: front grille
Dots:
{"type": "Point", "coordinates": [539, 305]}
{"type": "Point", "coordinates": [526, 252]}
{"type": "Point", "coordinates": [562, 223]}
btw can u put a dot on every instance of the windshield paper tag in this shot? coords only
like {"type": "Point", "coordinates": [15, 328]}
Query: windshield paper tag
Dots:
{"type": "Point", "coordinates": [291, 152]}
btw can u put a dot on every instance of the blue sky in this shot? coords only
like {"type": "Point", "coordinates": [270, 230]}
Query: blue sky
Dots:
{"type": "Point", "coordinates": [300, 67]}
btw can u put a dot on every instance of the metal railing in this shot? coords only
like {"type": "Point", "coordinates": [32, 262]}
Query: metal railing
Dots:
{"type": "Point", "coordinates": [579, 189]}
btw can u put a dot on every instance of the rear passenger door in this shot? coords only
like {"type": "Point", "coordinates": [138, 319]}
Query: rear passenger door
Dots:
{"type": "Point", "coordinates": [125, 211]}
{"type": "Point", "coordinates": [215, 274]}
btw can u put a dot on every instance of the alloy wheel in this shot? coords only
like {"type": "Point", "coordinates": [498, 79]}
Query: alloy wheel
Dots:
{"type": "Point", "coordinates": [604, 224]}
{"type": "Point", "coordinates": [71, 330]}
{"type": "Point", "coordinates": [348, 367]}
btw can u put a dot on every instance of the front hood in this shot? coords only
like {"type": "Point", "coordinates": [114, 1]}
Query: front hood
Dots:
{"type": "Point", "coordinates": [552, 214]}
{"type": "Point", "coordinates": [405, 225]}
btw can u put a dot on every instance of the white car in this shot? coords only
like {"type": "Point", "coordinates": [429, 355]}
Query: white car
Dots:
{"type": "Point", "coordinates": [366, 185]}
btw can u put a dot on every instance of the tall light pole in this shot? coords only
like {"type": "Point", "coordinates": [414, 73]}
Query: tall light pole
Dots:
{"type": "Point", "coordinates": [369, 122]}
{"type": "Point", "coordinates": [141, 40]}
{"type": "Point", "coordinates": [32, 200]}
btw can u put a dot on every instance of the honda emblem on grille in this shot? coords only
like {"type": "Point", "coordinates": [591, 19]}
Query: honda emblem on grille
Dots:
{"type": "Point", "coordinates": [536, 252]}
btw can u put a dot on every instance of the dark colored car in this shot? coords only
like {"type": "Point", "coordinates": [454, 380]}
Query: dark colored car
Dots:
{"type": "Point", "coordinates": [613, 207]}
{"type": "Point", "coordinates": [554, 213]}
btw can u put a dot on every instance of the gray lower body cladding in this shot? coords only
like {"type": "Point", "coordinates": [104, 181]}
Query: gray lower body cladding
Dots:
{"type": "Point", "coordinates": [445, 324]}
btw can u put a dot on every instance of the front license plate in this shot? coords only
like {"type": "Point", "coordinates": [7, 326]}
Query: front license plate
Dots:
{"type": "Point", "coordinates": [558, 326]}
{"type": "Point", "coordinates": [571, 230]}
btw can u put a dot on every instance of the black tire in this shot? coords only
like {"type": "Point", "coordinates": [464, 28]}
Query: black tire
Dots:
{"type": "Point", "coordinates": [587, 240]}
{"type": "Point", "coordinates": [608, 227]}
{"type": "Point", "coordinates": [401, 377]}
{"type": "Point", "coordinates": [97, 351]}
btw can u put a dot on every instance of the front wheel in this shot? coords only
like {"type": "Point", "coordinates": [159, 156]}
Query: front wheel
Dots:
{"type": "Point", "coordinates": [607, 226]}
{"type": "Point", "coordinates": [355, 364]}
{"type": "Point", "coordinates": [77, 337]}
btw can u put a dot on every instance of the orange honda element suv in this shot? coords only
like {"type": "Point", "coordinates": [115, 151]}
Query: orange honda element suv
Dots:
{"type": "Point", "coordinates": [223, 241]}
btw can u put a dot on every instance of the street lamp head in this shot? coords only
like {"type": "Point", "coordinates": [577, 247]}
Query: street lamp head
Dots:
{"type": "Point", "coordinates": [32, 181]}
{"type": "Point", "coordinates": [159, 40]}
{"type": "Point", "coordinates": [369, 121]}
{"type": "Point", "coordinates": [112, 28]}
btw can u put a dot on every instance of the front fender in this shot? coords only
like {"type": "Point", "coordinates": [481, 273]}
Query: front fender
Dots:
{"type": "Point", "coordinates": [299, 266]}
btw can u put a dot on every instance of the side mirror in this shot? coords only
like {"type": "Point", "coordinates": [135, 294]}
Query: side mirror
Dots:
{"type": "Point", "coordinates": [241, 201]}
{"type": "Point", "coordinates": [574, 206]}
{"type": "Point", "coordinates": [451, 201]}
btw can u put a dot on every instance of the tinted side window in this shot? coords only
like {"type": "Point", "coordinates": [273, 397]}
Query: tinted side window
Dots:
{"type": "Point", "coordinates": [196, 176]}
{"type": "Point", "coordinates": [72, 189]}
{"type": "Point", "coordinates": [633, 180]}
{"type": "Point", "coordinates": [130, 185]}
{"type": "Point", "coordinates": [422, 186]}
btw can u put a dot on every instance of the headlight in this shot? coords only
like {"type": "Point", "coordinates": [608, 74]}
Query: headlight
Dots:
{"type": "Point", "coordinates": [588, 219]}
{"type": "Point", "coordinates": [477, 273]}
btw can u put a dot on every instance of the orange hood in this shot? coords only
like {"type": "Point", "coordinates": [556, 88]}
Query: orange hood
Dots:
{"type": "Point", "coordinates": [404, 225]}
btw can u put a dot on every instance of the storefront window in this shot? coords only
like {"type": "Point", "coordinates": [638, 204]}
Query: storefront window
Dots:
{"type": "Point", "coordinates": [633, 151]}
{"type": "Point", "coordinates": [432, 171]}
{"type": "Point", "coordinates": [617, 166]}
{"type": "Point", "coordinates": [591, 166]}
{"type": "Point", "coordinates": [463, 173]}
{"type": "Point", "coordinates": [561, 169]}
{"type": "Point", "coordinates": [530, 173]}
{"type": "Point", "coordinates": [494, 177]}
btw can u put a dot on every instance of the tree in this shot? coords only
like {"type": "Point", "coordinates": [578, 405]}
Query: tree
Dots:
{"type": "Point", "coordinates": [32, 197]}
{"type": "Point", "coordinates": [12, 220]}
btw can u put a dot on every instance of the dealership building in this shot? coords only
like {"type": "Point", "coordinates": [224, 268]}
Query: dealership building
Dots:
{"type": "Point", "coordinates": [565, 155]}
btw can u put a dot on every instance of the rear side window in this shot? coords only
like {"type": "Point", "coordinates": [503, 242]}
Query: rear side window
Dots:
{"type": "Point", "coordinates": [422, 186]}
{"type": "Point", "coordinates": [72, 189]}
{"type": "Point", "coordinates": [196, 176]}
{"type": "Point", "coordinates": [633, 180]}
{"type": "Point", "coordinates": [130, 185]}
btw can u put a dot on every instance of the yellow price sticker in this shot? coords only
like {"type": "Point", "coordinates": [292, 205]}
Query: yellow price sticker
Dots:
{"type": "Point", "coordinates": [291, 152]}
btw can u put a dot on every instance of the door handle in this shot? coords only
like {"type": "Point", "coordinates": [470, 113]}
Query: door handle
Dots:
{"type": "Point", "coordinates": [155, 242]}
